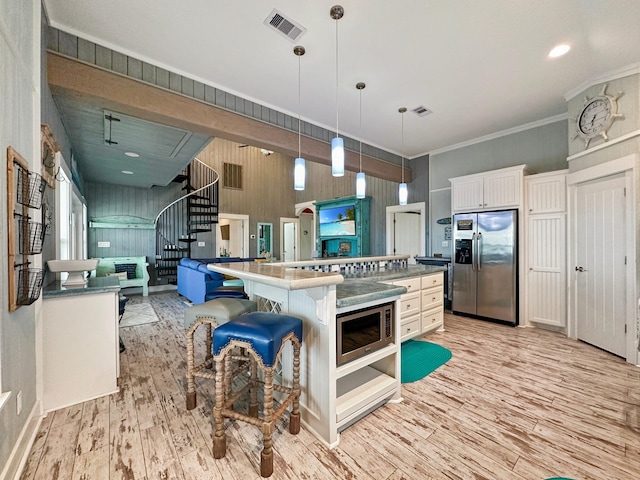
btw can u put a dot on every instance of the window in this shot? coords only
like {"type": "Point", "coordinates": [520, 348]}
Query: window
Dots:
{"type": "Point", "coordinates": [232, 176]}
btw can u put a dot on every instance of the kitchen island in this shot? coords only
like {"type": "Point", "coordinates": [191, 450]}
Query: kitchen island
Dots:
{"type": "Point", "coordinates": [333, 396]}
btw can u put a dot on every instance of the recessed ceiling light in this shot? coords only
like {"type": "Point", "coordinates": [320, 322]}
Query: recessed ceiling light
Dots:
{"type": "Point", "coordinates": [559, 50]}
{"type": "Point", "coordinates": [127, 172]}
{"type": "Point", "coordinates": [131, 154]}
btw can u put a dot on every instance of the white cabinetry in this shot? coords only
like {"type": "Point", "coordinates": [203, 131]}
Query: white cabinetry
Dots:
{"type": "Point", "coordinates": [80, 348]}
{"type": "Point", "coordinates": [488, 191]}
{"type": "Point", "coordinates": [422, 307]}
{"type": "Point", "coordinates": [546, 248]}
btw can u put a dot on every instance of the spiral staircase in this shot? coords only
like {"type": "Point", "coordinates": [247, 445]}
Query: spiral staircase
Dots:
{"type": "Point", "coordinates": [179, 223]}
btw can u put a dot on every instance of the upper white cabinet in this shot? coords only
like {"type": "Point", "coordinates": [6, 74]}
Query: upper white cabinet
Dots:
{"type": "Point", "coordinates": [546, 193]}
{"type": "Point", "coordinates": [488, 190]}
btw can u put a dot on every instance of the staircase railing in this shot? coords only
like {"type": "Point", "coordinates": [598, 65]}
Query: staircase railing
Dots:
{"type": "Point", "coordinates": [178, 224]}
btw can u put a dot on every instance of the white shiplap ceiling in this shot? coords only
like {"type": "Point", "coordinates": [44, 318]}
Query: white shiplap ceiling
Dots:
{"type": "Point", "coordinates": [480, 66]}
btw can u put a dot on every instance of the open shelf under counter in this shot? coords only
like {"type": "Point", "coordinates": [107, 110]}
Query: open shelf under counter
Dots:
{"type": "Point", "coordinates": [356, 365]}
{"type": "Point", "coordinates": [360, 391]}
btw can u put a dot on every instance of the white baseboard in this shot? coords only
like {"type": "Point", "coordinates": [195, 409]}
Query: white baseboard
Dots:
{"type": "Point", "coordinates": [20, 453]}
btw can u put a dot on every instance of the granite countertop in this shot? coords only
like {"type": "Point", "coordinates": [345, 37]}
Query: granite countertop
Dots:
{"type": "Point", "coordinates": [365, 286]}
{"type": "Point", "coordinates": [353, 287]}
{"type": "Point", "coordinates": [94, 285]}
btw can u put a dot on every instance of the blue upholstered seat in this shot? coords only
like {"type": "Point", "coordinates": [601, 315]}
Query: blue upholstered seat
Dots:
{"type": "Point", "coordinates": [226, 292]}
{"type": "Point", "coordinates": [262, 330]}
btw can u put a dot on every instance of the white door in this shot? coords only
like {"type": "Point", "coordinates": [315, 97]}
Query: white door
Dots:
{"type": "Point", "coordinates": [600, 276]}
{"type": "Point", "coordinates": [406, 234]}
{"type": "Point", "coordinates": [546, 277]}
{"type": "Point", "coordinates": [288, 241]}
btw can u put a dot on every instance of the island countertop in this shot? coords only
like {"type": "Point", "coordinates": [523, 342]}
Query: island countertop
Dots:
{"type": "Point", "coordinates": [352, 288]}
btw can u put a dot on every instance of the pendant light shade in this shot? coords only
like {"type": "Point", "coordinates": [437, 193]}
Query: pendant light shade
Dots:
{"type": "Point", "coordinates": [299, 167]}
{"type": "Point", "coordinates": [403, 191]}
{"type": "Point", "coordinates": [361, 185]}
{"type": "Point", "coordinates": [337, 143]}
{"type": "Point", "coordinates": [361, 182]}
{"type": "Point", "coordinates": [299, 173]}
{"type": "Point", "coordinates": [337, 157]}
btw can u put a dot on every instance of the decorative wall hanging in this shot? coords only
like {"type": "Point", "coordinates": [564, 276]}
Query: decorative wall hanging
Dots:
{"type": "Point", "coordinates": [25, 191]}
{"type": "Point", "coordinates": [49, 147]}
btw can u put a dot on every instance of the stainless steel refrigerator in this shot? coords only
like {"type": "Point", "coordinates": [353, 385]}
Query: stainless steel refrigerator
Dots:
{"type": "Point", "coordinates": [485, 265]}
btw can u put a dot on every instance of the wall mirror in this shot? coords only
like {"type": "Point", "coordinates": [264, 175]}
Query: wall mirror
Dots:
{"type": "Point", "coordinates": [265, 239]}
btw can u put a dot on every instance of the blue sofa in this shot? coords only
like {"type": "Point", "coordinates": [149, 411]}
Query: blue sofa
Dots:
{"type": "Point", "coordinates": [195, 280]}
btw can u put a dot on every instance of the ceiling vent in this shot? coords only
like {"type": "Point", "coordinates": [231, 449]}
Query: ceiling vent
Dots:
{"type": "Point", "coordinates": [421, 111]}
{"type": "Point", "coordinates": [285, 26]}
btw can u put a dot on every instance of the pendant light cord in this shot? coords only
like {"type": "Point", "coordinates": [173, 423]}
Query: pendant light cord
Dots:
{"type": "Point", "coordinates": [360, 128]}
{"type": "Point", "coordinates": [337, 116]}
{"type": "Point", "coordinates": [299, 108]}
{"type": "Point", "coordinates": [402, 147]}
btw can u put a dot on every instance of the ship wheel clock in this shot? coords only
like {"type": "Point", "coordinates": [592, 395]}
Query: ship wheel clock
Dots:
{"type": "Point", "coordinates": [596, 116]}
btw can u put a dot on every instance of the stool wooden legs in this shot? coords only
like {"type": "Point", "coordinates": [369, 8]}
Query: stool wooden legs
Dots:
{"type": "Point", "coordinates": [253, 388]}
{"type": "Point", "coordinates": [266, 457]}
{"type": "Point", "coordinates": [219, 437]}
{"type": "Point", "coordinates": [191, 367]}
{"type": "Point", "coordinates": [225, 398]}
{"type": "Point", "coordinates": [294, 417]}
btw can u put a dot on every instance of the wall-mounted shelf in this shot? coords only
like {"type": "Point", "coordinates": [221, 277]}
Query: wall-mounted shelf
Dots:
{"type": "Point", "coordinates": [122, 221]}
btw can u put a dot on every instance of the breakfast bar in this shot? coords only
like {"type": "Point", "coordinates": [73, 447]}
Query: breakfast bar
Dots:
{"type": "Point", "coordinates": [335, 395]}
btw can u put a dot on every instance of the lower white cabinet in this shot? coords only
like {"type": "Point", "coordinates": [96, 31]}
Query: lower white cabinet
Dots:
{"type": "Point", "coordinates": [422, 307]}
{"type": "Point", "coordinates": [80, 348]}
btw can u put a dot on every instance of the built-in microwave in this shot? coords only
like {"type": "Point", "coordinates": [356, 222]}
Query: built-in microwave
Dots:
{"type": "Point", "coordinates": [361, 332]}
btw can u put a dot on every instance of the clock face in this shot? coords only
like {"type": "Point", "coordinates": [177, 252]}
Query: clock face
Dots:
{"type": "Point", "coordinates": [595, 117]}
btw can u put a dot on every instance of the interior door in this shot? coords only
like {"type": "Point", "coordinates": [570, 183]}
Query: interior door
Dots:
{"type": "Point", "coordinates": [406, 234]}
{"type": "Point", "coordinates": [288, 242]}
{"type": "Point", "coordinates": [600, 276]}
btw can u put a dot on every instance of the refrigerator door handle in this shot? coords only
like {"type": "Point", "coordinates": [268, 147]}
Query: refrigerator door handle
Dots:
{"type": "Point", "coordinates": [479, 251]}
{"type": "Point", "coordinates": [473, 252]}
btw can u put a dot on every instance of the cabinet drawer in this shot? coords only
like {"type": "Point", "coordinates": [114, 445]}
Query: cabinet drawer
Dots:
{"type": "Point", "coordinates": [410, 328]}
{"type": "Point", "coordinates": [432, 319]}
{"type": "Point", "coordinates": [412, 284]}
{"type": "Point", "coordinates": [409, 304]}
{"type": "Point", "coordinates": [432, 297]}
{"type": "Point", "coordinates": [434, 280]}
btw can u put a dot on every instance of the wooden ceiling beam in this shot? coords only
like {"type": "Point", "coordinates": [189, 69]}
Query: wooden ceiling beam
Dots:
{"type": "Point", "coordinates": [109, 90]}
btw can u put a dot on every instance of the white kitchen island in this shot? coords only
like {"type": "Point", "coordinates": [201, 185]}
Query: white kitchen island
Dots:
{"type": "Point", "coordinates": [333, 397]}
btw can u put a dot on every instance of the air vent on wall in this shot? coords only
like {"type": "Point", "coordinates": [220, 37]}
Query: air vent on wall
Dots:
{"type": "Point", "coordinates": [421, 111]}
{"type": "Point", "coordinates": [285, 26]}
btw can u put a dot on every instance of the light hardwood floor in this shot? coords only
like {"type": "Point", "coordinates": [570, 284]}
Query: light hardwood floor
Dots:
{"type": "Point", "coordinates": [512, 403]}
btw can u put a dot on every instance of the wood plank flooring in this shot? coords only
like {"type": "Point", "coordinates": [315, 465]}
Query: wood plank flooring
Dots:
{"type": "Point", "coordinates": [512, 403]}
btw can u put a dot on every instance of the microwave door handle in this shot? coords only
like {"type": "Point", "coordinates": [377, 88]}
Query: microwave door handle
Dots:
{"type": "Point", "coordinates": [473, 252]}
{"type": "Point", "coordinates": [479, 255]}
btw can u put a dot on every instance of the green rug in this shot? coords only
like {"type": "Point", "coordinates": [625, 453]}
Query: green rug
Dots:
{"type": "Point", "coordinates": [418, 359]}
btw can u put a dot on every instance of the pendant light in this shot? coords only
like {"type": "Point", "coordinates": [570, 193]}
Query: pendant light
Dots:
{"type": "Point", "coordinates": [361, 182]}
{"type": "Point", "coordinates": [403, 192]}
{"type": "Point", "coordinates": [337, 143]}
{"type": "Point", "coordinates": [299, 168]}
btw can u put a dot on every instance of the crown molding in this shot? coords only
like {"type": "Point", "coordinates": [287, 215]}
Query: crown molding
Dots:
{"type": "Point", "coordinates": [503, 133]}
{"type": "Point", "coordinates": [632, 69]}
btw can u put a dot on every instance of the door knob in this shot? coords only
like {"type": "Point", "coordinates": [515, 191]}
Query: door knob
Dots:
{"type": "Point", "coordinates": [580, 269]}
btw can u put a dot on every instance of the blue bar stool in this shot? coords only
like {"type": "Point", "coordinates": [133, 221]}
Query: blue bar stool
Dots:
{"type": "Point", "coordinates": [212, 314]}
{"type": "Point", "coordinates": [262, 335]}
